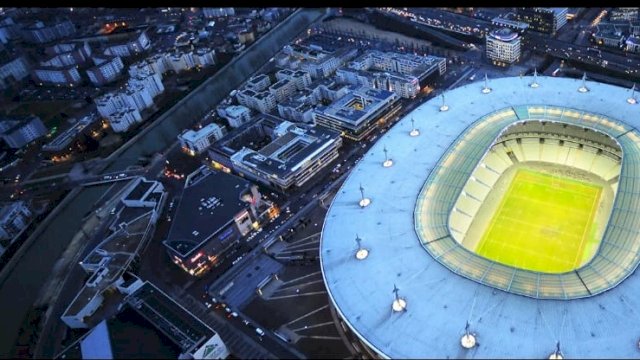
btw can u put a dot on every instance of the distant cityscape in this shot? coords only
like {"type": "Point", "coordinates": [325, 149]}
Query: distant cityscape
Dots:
{"type": "Point", "coordinates": [167, 173]}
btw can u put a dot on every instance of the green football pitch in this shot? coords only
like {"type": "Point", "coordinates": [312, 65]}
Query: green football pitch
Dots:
{"type": "Point", "coordinates": [543, 223]}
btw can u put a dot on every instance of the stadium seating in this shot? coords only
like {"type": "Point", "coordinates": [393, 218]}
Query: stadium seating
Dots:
{"type": "Point", "coordinates": [559, 149]}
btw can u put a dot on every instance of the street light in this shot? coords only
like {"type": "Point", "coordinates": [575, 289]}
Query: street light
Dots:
{"type": "Point", "coordinates": [486, 89]}
{"type": "Point", "coordinates": [556, 355]}
{"type": "Point", "coordinates": [535, 84]}
{"type": "Point", "coordinates": [468, 340]}
{"type": "Point", "coordinates": [387, 162]}
{"type": "Point", "coordinates": [444, 106]}
{"type": "Point", "coordinates": [399, 304]}
{"type": "Point", "coordinates": [583, 88]}
{"type": "Point", "coordinates": [364, 202]}
{"type": "Point", "coordinates": [361, 253]}
{"type": "Point", "coordinates": [632, 100]}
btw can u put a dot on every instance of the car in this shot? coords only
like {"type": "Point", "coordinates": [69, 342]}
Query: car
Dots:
{"type": "Point", "coordinates": [246, 322]}
{"type": "Point", "coordinates": [260, 331]}
{"type": "Point", "coordinates": [233, 314]}
{"type": "Point", "coordinates": [207, 304]}
{"type": "Point", "coordinates": [227, 309]}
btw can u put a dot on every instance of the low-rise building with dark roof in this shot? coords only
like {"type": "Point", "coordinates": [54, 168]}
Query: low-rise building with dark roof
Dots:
{"type": "Point", "coordinates": [214, 212]}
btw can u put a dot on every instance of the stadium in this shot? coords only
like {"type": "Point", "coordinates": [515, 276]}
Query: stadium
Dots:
{"type": "Point", "coordinates": [499, 220]}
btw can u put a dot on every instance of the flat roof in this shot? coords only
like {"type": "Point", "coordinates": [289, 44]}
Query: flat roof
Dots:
{"type": "Point", "coordinates": [206, 207]}
{"type": "Point", "coordinates": [343, 110]}
{"type": "Point", "coordinates": [284, 154]}
{"type": "Point", "coordinates": [166, 314]}
{"type": "Point", "coordinates": [440, 302]}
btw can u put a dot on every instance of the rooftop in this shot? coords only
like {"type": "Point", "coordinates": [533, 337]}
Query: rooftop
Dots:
{"type": "Point", "coordinates": [288, 150]}
{"type": "Point", "coordinates": [182, 327]}
{"type": "Point", "coordinates": [206, 206]}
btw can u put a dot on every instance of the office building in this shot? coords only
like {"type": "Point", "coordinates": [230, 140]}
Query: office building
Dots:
{"type": "Point", "coordinates": [406, 86]}
{"type": "Point", "coordinates": [195, 142]}
{"type": "Point", "coordinates": [294, 155]}
{"type": "Point", "coordinates": [503, 47]}
{"type": "Point", "coordinates": [356, 114]}
{"type": "Point", "coordinates": [545, 20]}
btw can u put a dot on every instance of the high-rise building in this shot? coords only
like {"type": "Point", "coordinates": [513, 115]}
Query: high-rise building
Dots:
{"type": "Point", "coordinates": [106, 72]}
{"type": "Point", "coordinates": [13, 71]}
{"type": "Point", "coordinates": [67, 75]}
{"type": "Point", "coordinates": [503, 47]}
{"type": "Point", "coordinates": [39, 33]}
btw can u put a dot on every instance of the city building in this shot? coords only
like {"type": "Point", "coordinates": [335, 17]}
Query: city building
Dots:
{"type": "Point", "coordinates": [218, 12]}
{"type": "Point", "coordinates": [138, 43]}
{"type": "Point", "coordinates": [14, 217]}
{"type": "Point", "coordinates": [623, 14]}
{"type": "Point", "coordinates": [150, 80]}
{"type": "Point", "coordinates": [609, 38]}
{"type": "Point", "coordinates": [263, 102]}
{"type": "Point", "coordinates": [18, 132]}
{"type": "Point", "coordinates": [282, 89]}
{"type": "Point", "coordinates": [316, 61]}
{"type": "Point", "coordinates": [205, 56]}
{"type": "Point", "coordinates": [503, 46]}
{"type": "Point", "coordinates": [195, 142]}
{"type": "Point", "coordinates": [57, 75]}
{"type": "Point", "coordinates": [39, 33]}
{"type": "Point", "coordinates": [330, 89]}
{"type": "Point", "coordinates": [122, 119]}
{"type": "Point", "coordinates": [13, 71]}
{"type": "Point", "coordinates": [356, 114]}
{"type": "Point", "coordinates": [63, 55]}
{"type": "Point", "coordinates": [294, 155]}
{"type": "Point", "coordinates": [301, 79]}
{"type": "Point", "coordinates": [259, 83]}
{"type": "Point", "coordinates": [214, 212]}
{"type": "Point", "coordinates": [237, 115]}
{"type": "Point", "coordinates": [179, 61]}
{"type": "Point", "coordinates": [105, 72]}
{"type": "Point", "coordinates": [545, 20]}
{"type": "Point", "coordinates": [406, 86]}
{"type": "Point", "coordinates": [296, 110]}
{"type": "Point", "coordinates": [131, 226]}
{"type": "Point", "coordinates": [8, 30]}
{"type": "Point", "coordinates": [632, 44]}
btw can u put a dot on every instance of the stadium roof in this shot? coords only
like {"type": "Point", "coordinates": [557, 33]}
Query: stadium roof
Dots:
{"type": "Point", "coordinates": [440, 302]}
